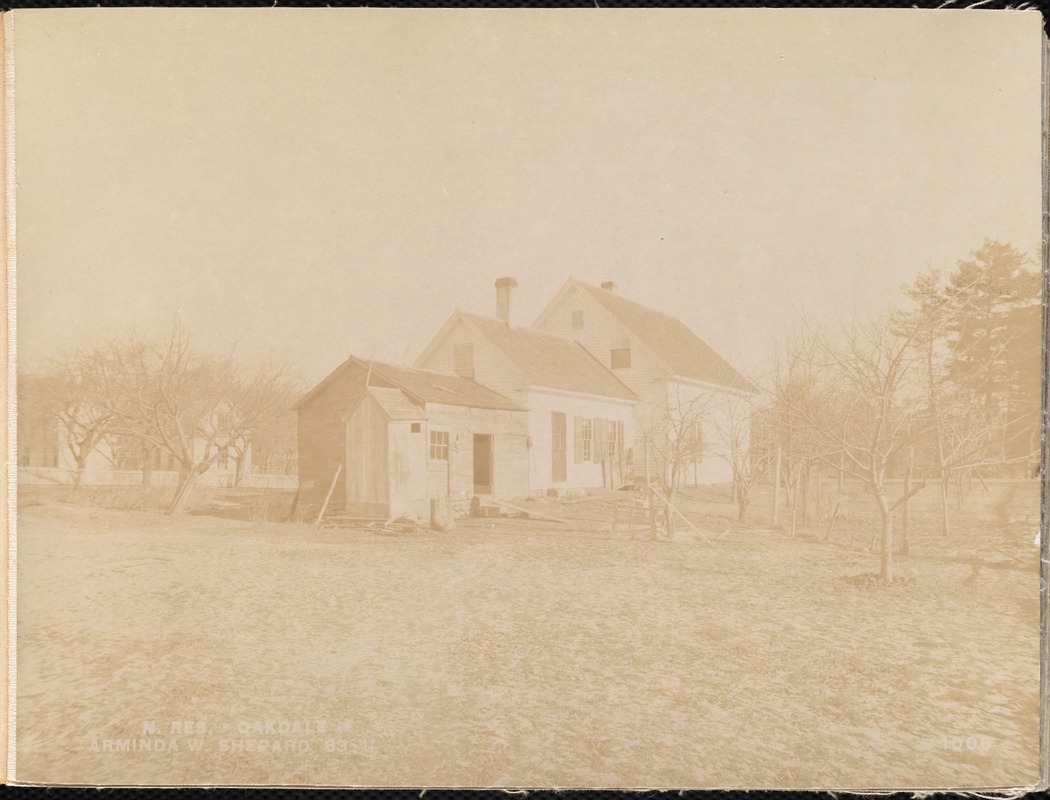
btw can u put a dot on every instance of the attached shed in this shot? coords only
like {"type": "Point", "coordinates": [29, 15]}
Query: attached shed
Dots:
{"type": "Point", "coordinates": [402, 452]}
{"type": "Point", "coordinates": [405, 436]}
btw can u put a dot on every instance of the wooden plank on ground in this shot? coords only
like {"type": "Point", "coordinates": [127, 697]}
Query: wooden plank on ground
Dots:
{"type": "Point", "coordinates": [328, 497]}
{"type": "Point", "coordinates": [530, 512]}
{"type": "Point", "coordinates": [683, 517]}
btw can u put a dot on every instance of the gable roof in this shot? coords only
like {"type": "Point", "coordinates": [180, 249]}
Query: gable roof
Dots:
{"type": "Point", "coordinates": [421, 386]}
{"type": "Point", "coordinates": [551, 361]}
{"type": "Point", "coordinates": [683, 351]}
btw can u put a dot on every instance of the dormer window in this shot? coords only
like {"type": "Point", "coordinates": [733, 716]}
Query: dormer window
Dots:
{"type": "Point", "coordinates": [464, 366]}
{"type": "Point", "coordinates": [577, 321]}
{"type": "Point", "coordinates": [620, 355]}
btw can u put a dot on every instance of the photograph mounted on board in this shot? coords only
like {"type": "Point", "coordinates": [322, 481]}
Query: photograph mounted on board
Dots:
{"type": "Point", "coordinates": [483, 398]}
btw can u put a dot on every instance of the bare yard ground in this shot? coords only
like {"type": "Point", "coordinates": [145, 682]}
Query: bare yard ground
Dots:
{"type": "Point", "coordinates": [522, 653]}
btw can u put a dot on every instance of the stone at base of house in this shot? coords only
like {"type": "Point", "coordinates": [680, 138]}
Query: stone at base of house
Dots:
{"type": "Point", "coordinates": [442, 518]}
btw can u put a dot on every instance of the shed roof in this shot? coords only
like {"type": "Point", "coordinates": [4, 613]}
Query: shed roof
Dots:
{"type": "Point", "coordinates": [437, 387]}
{"type": "Point", "coordinates": [421, 385]}
{"type": "Point", "coordinates": [396, 404]}
{"type": "Point", "coordinates": [685, 353]}
{"type": "Point", "coordinates": [552, 361]}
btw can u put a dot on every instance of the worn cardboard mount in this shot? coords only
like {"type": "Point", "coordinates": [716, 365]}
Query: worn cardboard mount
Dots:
{"type": "Point", "coordinates": [317, 184]}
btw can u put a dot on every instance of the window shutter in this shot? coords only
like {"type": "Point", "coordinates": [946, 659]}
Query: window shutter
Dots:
{"type": "Point", "coordinates": [601, 433]}
{"type": "Point", "coordinates": [577, 436]}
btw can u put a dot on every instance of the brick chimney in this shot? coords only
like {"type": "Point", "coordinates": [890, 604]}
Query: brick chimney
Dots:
{"type": "Point", "coordinates": [503, 287]}
{"type": "Point", "coordinates": [609, 286]}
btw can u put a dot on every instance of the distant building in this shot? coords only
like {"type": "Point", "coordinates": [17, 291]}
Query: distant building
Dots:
{"type": "Point", "coordinates": [45, 455]}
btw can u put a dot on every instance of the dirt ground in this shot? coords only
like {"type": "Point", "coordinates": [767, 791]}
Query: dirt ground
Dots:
{"type": "Point", "coordinates": [513, 652]}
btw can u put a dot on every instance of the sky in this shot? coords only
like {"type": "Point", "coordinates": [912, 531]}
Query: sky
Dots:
{"type": "Point", "coordinates": [310, 184]}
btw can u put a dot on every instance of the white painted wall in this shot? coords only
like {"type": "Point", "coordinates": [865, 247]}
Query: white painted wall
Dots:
{"type": "Point", "coordinates": [99, 470]}
{"type": "Point", "coordinates": [542, 404]}
{"type": "Point", "coordinates": [719, 413]}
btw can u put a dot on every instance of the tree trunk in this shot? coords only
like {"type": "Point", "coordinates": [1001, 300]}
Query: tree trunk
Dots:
{"type": "Point", "coordinates": [238, 473]}
{"type": "Point", "coordinates": [147, 467]}
{"type": "Point", "coordinates": [820, 493]}
{"type": "Point", "coordinates": [886, 539]}
{"type": "Point", "coordinates": [906, 510]}
{"type": "Point", "coordinates": [794, 507]}
{"type": "Point", "coordinates": [653, 530]}
{"type": "Point", "coordinates": [78, 476]}
{"type": "Point", "coordinates": [804, 480]}
{"type": "Point", "coordinates": [182, 494]}
{"type": "Point", "coordinates": [945, 513]}
{"type": "Point", "coordinates": [668, 515]}
{"type": "Point", "coordinates": [743, 499]}
{"type": "Point", "coordinates": [776, 489]}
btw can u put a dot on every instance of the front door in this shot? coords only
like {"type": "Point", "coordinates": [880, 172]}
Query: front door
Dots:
{"type": "Point", "coordinates": [558, 454]}
{"type": "Point", "coordinates": [482, 463]}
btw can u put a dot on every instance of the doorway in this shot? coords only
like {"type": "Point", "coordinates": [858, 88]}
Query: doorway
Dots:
{"type": "Point", "coordinates": [482, 463]}
{"type": "Point", "coordinates": [558, 448]}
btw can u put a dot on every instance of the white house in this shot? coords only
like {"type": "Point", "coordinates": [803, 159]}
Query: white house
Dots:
{"type": "Point", "coordinates": [673, 372]}
{"type": "Point", "coordinates": [581, 416]}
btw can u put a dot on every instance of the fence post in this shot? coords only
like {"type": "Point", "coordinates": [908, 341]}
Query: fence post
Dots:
{"type": "Point", "coordinates": [776, 489]}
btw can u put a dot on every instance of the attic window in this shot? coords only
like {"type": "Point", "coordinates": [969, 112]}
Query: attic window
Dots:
{"type": "Point", "coordinates": [620, 355]}
{"type": "Point", "coordinates": [464, 366]}
{"type": "Point", "coordinates": [577, 320]}
{"type": "Point", "coordinates": [416, 427]}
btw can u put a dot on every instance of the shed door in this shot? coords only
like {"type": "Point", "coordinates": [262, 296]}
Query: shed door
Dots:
{"type": "Point", "coordinates": [482, 463]}
{"type": "Point", "coordinates": [367, 480]}
{"type": "Point", "coordinates": [558, 453]}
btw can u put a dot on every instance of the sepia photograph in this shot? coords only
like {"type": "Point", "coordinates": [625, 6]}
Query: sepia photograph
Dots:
{"type": "Point", "coordinates": [635, 398]}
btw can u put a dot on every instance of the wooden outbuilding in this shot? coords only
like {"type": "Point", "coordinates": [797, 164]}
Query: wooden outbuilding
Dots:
{"type": "Point", "coordinates": [398, 437]}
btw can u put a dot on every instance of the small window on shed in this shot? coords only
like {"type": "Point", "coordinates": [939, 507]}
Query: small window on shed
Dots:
{"type": "Point", "coordinates": [439, 445]}
{"type": "Point", "coordinates": [464, 366]}
{"type": "Point", "coordinates": [620, 355]}
{"type": "Point", "coordinates": [577, 320]}
{"type": "Point", "coordinates": [416, 427]}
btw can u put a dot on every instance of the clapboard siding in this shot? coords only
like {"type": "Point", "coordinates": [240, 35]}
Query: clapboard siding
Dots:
{"type": "Point", "coordinates": [368, 492]}
{"type": "Point", "coordinates": [510, 432]}
{"type": "Point", "coordinates": [492, 368]}
{"type": "Point", "coordinates": [391, 472]}
{"type": "Point", "coordinates": [601, 330]}
{"type": "Point", "coordinates": [579, 474]}
{"type": "Point", "coordinates": [659, 392]}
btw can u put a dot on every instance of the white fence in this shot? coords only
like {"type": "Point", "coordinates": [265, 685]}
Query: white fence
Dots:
{"type": "Point", "coordinates": [55, 476]}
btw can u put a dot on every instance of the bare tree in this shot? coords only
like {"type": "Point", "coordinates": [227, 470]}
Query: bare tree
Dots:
{"type": "Point", "coordinates": [869, 411]}
{"type": "Point", "coordinates": [260, 401]}
{"type": "Point", "coordinates": [747, 458]}
{"type": "Point", "coordinates": [971, 329]}
{"type": "Point", "coordinates": [191, 405]}
{"type": "Point", "coordinates": [70, 395]}
{"type": "Point", "coordinates": [797, 402]}
{"type": "Point", "coordinates": [673, 437]}
{"type": "Point", "coordinates": [274, 442]}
